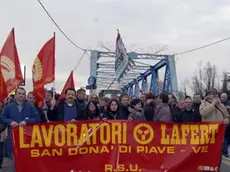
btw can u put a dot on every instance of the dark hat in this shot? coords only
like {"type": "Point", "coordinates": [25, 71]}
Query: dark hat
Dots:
{"type": "Point", "coordinates": [211, 91]}
{"type": "Point", "coordinates": [135, 102]}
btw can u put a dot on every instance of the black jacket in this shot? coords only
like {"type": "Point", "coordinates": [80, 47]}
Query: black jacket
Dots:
{"type": "Point", "coordinates": [57, 114]}
{"type": "Point", "coordinates": [124, 111]}
{"type": "Point", "coordinates": [227, 131]}
{"type": "Point", "coordinates": [175, 112]}
{"type": "Point", "coordinates": [189, 116]}
{"type": "Point", "coordinates": [196, 107]}
{"type": "Point", "coordinates": [149, 111]}
{"type": "Point", "coordinates": [40, 113]}
{"type": "Point", "coordinates": [114, 116]}
{"type": "Point", "coordinates": [81, 107]}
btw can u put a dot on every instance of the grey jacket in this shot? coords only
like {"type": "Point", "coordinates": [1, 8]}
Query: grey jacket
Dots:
{"type": "Point", "coordinates": [162, 113]}
{"type": "Point", "coordinates": [135, 115]}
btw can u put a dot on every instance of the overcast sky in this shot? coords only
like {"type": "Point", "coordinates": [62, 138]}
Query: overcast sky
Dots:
{"type": "Point", "coordinates": [180, 24]}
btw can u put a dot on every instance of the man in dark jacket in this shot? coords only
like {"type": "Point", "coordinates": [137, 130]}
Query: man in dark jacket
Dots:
{"type": "Point", "coordinates": [18, 113]}
{"type": "Point", "coordinates": [47, 101]}
{"type": "Point", "coordinates": [197, 101]}
{"type": "Point", "coordinates": [124, 105]}
{"type": "Point", "coordinates": [149, 109]}
{"type": "Point", "coordinates": [189, 114]}
{"type": "Point", "coordinates": [174, 109]}
{"type": "Point", "coordinates": [67, 110]}
{"type": "Point", "coordinates": [224, 100]}
{"type": "Point", "coordinates": [81, 96]}
{"type": "Point", "coordinates": [32, 100]}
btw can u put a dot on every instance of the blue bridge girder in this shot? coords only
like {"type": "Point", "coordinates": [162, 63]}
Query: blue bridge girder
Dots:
{"type": "Point", "coordinates": [153, 71]}
{"type": "Point", "coordinates": [103, 70]}
{"type": "Point", "coordinates": [110, 66]}
{"type": "Point", "coordinates": [134, 55]}
{"type": "Point", "coordinates": [100, 73]}
{"type": "Point", "coordinates": [102, 78]}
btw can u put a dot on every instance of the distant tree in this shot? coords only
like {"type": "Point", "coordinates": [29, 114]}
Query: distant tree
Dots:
{"type": "Point", "coordinates": [181, 95]}
{"type": "Point", "coordinates": [225, 83]}
{"type": "Point", "coordinates": [204, 79]}
{"type": "Point", "coordinates": [184, 87]}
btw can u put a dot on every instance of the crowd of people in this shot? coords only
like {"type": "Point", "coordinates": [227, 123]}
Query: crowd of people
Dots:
{"type": "Point", "coordinates": [21, 109]}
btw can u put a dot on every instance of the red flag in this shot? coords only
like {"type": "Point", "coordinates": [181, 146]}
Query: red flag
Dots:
{"type": "Point", "coordinates": [10, 64]}
{"type": "Point", "coordinates": [69, 84]}
{"type": "Point", "coordinates": [44, 70]}
{"type": "Point", "coordinates": [3, 90]}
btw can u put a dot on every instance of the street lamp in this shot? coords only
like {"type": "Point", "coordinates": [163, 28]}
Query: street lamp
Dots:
{"type": "Point", "coordinates": [23, 68]}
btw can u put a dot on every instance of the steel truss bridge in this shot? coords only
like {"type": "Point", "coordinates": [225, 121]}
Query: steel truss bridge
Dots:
{"type": "Point", "coordinates": [102, 66]}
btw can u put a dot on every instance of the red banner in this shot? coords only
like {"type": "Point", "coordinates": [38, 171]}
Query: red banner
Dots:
{"type": "Point", "coordinates": [118, 146]}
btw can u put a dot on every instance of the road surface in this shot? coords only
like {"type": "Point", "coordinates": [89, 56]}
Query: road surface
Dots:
{"type": "Point", "coordinates": [6, 166]}
{"type": "Point", "coordinates": [225, 167]}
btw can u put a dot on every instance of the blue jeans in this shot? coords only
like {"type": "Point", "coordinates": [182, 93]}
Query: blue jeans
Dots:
{"type": "Point", "coordinates": [1, 153]}
{"type": "Point", "coordinates": [225, 147]}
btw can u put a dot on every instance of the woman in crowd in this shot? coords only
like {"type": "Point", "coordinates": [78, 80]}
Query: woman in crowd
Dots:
{"type": "Point", "coordinates": [92, 110]}
{"type": "Point", "coordinates": [136, 111]}
{"type": "Point", "coordinates": [93, 97]}
{"type": "Point", "coordinates": [113, 111]}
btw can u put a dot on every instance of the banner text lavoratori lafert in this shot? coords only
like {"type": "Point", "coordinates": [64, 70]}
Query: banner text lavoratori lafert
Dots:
{"type": "Point", "coordinates": [95, 138]}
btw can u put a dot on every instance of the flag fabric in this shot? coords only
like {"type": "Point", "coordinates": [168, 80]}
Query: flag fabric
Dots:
{"type": "Point", "coordinates": [3, 90]}
{"type": "Point", "coordinates": [69, 84]}
{"type": "Point", "coordinates": [43, 70]}
{"type": "Point", "coordinates": [10, 64]}
{"type": "Point", "coordinates": [123, 63]}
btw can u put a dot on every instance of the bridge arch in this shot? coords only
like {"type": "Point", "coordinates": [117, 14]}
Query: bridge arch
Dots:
{"type": "Point", "coordinates": [102, 66]}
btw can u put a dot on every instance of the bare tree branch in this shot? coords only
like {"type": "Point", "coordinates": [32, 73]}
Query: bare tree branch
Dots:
{"type": "Point", "coordinates": [205, 79]}
{"type": "Point", "coordinates": [185, 84]}
{"type": "Point", "coordinates": [102, 45]}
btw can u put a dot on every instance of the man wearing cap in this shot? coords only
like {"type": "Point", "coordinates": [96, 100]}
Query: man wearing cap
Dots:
{"type": "Point", "coordinates": [211, 109]}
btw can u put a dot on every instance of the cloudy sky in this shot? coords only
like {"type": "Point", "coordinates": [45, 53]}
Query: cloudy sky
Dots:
{"type": "Point", "coordinates": [180, 24]}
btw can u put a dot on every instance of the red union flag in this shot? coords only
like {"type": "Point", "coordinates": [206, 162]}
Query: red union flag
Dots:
{"type": "Point", "coordinates": [10, 64]}
{"type": "Point", "coordinates": [43, 71]}
{"type": "Point", "coordinates": [108, 146]}
{"type": "Point", "coordinates": [3, 90]}
{"type": "Point", "coordinates": [69, 84]}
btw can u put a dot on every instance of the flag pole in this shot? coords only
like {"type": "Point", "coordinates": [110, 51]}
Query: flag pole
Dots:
{"type": "Point", "coordinates": [16, 84]}
{"type": "Point", "coordinates": [54, 68]}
